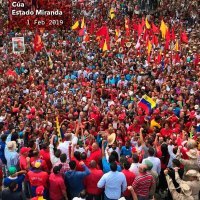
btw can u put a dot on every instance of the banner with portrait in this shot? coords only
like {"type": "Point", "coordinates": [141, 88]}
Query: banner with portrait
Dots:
{"type": "Point", "coordinates": [18, 45]}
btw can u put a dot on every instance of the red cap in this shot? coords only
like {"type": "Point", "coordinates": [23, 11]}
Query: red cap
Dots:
{"type": "Point", "coordinates": [24, 150]}
{"type": "Point", "coordinates": [40, 190]}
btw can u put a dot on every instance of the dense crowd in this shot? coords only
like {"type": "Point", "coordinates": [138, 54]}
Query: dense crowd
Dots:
{"type": "Point", "coordinates": [70, 123]}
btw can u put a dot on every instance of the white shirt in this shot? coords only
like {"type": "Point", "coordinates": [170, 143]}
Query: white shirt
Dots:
{"type": "Point", "coordinates": [135, 168]}
{"type": "Point", "coordinates": [156, 163]}
{"type": "Point", "coordinates": [64, 147]}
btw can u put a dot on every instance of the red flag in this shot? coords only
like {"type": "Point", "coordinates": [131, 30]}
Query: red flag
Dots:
{"type": "Point", "coordinates": [135, 27]}
{"type": "Point", "coordinates": [140, 29]}
{"type": "Point", "coordinates": [143, 22]}
{"type": "Point", "coordinates": [173, 34]}
{"type": "Point", "coordinates": [103, 31]}
{"type": "Point", "coordinates": [82, 32]}
{"type": "Point", "coordinates": [167, 44]}
{"type": "Point", "coordinates": [184, 37]}
{"type": "Point", "coordinates": [155, 40]}
{"type": "Point", "coordinates": [177, 58]}
{"type": "Point", "coordinates": [167, 37]}
{"type": "Point", "coordinates": [158, 59]}
{"type": "Point", "coordinates": [155, 29]}
{"type": "Point", "coordinates": [38, 44]}
{"type": "Point", "coordinates": [92, 27]}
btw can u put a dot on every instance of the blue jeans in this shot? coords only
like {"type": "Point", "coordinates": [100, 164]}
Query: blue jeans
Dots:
{"type": "Point", "coordinates": [106, 198]}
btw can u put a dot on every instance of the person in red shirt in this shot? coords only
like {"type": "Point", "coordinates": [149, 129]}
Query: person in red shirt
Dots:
{"type": "Point", "coordinates": [24, 164]}
{"type": "Point", "coordinates": [76, 156]}
{"type": "Point", "coordinates": [95, 154]}
{"type": "Point", "coordinates": [91, 181]}
{"type": "Point", "coordinates": [38, 177]}
{"type": "Point", "coordinates": [166, 131]}
{"type": "Point", "coordinates": [36, 157]}
{"type": "Point", "coordinates": [130, 177]}
{"type": "Point", "coordinates": [57, 189]}
{"type": "Point", "coordinates": [134, 127]}
{"type": "Point", "coordinates": [45, 155]}
{"type": "Point", "coordinates": [24, 160]}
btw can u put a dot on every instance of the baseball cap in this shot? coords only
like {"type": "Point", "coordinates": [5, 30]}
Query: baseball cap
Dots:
{"type": "Point", "coordinates": [149, 164]}
{"type": "Point", "coordinates": [12, 170]}
{"type": "Point", "coordinates": [24, 150]}
{"type": "Point", "coordinates": [40, 190]}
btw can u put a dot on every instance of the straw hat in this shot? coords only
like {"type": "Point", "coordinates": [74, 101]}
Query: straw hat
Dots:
{"type": "Point", "coordinates": [185, 189]}
{"type": "Point", "coordinates": [192, 153]}
{"type": "Point", "coordinates": [191, 144]}
{"type": "Point", "coordinates": [12, 146]}
{"type": "Point", "coordinates": [111, 138]}
{"type": "Point", "coordinates": [128, 44]}
{"type": "Point", "coordinates": [121, 49]}
{"type": "Point", "coordinates": [193, 172]}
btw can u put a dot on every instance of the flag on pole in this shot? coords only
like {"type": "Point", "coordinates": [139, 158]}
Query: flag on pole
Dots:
{"type": "Point", "coordinates": [155, 29]}
{"type": "Point", "coordinates": [184, 37]}
{"type": "Point", "coordinates": [38, 44]}
{"type": "Point", "coordinates": [105, 46]}
{"type": "Point", "coordinates": [147, 104]}
{"type": "Point", "coordinates": [83, 23]}
{"type": "Point", "coordinates": [127, 28]}
{"type": "Point", "coordinates": [117, 33]}
{"type": "Point", "coordinates": [58, 130]}
{"type": "Point", "coordinates": [75, 26]}
{"type": "Point", "coordinates": [140, 29]}
{"type": "Point", "coordinates": [86, 38]}
{"type": "Point", "coordinates": [111, 13]}
{"type": "Point", "coordinates": [149, 47]}
{"type": "Point", "coordinates": [148, 26]}
{"type": "Point", "coordinates": [176, 46]}
{"type": "Point", "coordinates": [50, 63]}
{"type": "Point", "coordinates": [163, 29]}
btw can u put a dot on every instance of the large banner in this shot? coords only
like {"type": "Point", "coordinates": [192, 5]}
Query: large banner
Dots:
{"type": "Point", "coordinates": [18, 45]}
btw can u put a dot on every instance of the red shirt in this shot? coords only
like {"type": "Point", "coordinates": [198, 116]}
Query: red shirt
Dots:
{"type": "Point", "coordinates": [130, 177]}
{"type": "Point", "coordinates": [95, 155]}
{"type": "Point", "coordinates": [166, 132]}
{"type": "Point", "coordinates": [57, 185]}
{"type": "Point", "coordinates": [91, 181]}
{"type": "Point", "coordinates": [134, 128]}
{"type": "Point", "coordinates": [23, 163]}
{"type": "Point", "coordinates": [143, 183]}
{"type": "Point", "coordinates": [38, 178]}
{"type": "Point", "coordinates": [78, 166]}
{"type": "Point", "coordinates": [46, 156]}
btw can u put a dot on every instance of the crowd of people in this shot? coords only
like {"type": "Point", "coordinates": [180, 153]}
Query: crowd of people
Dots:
{"type": "Point", "coordinates": [70, 123]}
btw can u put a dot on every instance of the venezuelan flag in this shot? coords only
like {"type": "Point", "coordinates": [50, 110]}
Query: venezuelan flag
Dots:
{"type": "Point", "coordinates": [147, 104]}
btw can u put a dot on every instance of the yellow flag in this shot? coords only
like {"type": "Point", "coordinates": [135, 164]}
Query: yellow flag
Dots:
{"type": "Point", "coordinates": [105, 47]}
{"type": "Point", "coordinates": [112, 13]}
{"type": "Point", "coordinates": [58, 130]}
{"type": "Point", "coordinates": [83, 23]}
{"type": "Point", "coordinates": [149, 47]}
{"type": "Point", "coordinates": [148, 26]}
{"type": "Point", "coordinates": [75, 26]}
{"type": "Point", "coordinates": [50, 63]}
{"type": "Point", "coordinates": [176, 47]}
{"type": "Point", "coordinates": [163, 29]}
